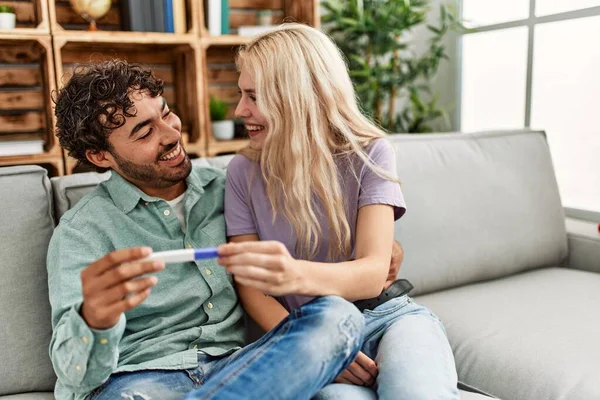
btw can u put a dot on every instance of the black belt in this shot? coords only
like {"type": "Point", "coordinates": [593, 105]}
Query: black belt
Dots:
{"type": "Point", "coordinates": [399, 288]}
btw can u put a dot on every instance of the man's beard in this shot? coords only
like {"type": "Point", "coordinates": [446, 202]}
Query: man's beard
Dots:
{"type": "Point", "coordinates": [151, 174]}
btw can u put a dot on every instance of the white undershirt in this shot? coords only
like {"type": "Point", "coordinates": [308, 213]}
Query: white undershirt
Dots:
{"type": "Point", "coordinates": [178, 206]}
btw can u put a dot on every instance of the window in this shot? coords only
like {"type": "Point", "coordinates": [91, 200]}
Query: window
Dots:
{"type": "Point", "coordinates": [532, 63]}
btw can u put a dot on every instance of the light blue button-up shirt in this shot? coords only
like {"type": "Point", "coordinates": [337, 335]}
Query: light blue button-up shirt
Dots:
{"type": "Point", "coordinates": [193, 307]}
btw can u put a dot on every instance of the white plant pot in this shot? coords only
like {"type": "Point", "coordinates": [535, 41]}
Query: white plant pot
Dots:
{"type": "Point", "coordinates": [7, 20]}
{"type": "Point", "coordinates": [223, 130]}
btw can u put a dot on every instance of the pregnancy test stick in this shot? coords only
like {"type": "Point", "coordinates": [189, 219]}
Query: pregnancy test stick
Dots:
{"type": "Point", "coordinates": [183, 255]}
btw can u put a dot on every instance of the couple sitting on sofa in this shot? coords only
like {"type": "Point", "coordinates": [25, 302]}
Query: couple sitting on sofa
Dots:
{"type": "Point", "coordinates": [317, 183]}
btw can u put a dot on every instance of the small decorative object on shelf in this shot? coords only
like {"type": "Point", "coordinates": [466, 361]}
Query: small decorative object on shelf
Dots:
{"type": "Point", "coordinates": [264, 17]}
{"type": "Point", "coordinates": [91, 10]}
{"type": "Point", "coordinates": [222, 129]}
{"type": "Point", "coordinates": [8, 18]}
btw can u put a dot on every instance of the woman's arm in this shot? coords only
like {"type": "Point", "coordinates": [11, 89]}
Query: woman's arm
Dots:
{"type": "Point", "coordinates": [263, 309]}
{"type": "Point", "coordinates": [269, 268]}
{"type": "Point", "coordinates": [365, 276]}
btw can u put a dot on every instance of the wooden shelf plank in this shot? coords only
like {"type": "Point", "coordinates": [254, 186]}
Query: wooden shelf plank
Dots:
{"type": "Point", "coordinates": [9, 33]}
{"type": "Point", "coordinates": [196, 148]}
{"type": "Point", "coordinates": [257, 4]}
{"type": "Point", "coordinates": [23, 34]}
{"type": "Point", "coordinates": [117, 37]}
{"type": "Point", "coordinates": [20, 76]}
{"type": "Point", "coordinates": [224, 40]}
{"type": "Point", "coordinates": [230, 146]}
{"type": "Point", "coordinates": [21, 99]}
{"type": "Point", "coordinates": [54, 159]}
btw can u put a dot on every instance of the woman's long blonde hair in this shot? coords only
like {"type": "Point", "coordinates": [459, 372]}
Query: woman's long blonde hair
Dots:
{"type": "Point", "coordinates": [305, 94]}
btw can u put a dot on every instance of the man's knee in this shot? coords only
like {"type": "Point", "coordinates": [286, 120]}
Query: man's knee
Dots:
{"type": "Point", "coordinates": [339, 310]}
{"type": "Point", "coordinates": [340, 327]}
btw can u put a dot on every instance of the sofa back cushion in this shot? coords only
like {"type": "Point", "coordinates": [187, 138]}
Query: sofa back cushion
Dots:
{"type": "Point", "coordinates": [25, 325]}
{"type": "Point", "coordinates": [68, 190]}
{"type": "Point", "coordinates": [479, 206]}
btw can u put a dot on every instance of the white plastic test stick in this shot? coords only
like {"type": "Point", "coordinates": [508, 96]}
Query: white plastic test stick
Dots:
{"type": "Point", "coordinates": [183, 255]}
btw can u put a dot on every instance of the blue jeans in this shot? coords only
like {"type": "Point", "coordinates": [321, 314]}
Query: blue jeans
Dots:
{"type": "Point", "coordinates": [294, 360]}
{"type": "Point", "coordinates": [409, 345]}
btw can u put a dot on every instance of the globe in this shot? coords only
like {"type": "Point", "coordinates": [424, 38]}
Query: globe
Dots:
{"type": "Point", "coordinates": [91, 10]}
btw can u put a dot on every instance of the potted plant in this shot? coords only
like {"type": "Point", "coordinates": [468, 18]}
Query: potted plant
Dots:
{"type": "Point", "coordinates": [222, 129]}
{"type": "Point", "coordinates": [376, 37]}
{"type": "Point", "coordinates": [8, 18]}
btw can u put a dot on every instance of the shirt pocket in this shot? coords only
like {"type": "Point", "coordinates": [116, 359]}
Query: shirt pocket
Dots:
{"type": "Point", "coordinates": [213, 233]}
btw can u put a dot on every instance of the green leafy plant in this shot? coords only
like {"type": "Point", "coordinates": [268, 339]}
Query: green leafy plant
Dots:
{"type": "Point", "coordinates": [218, 109]}
{"type": "Point", "coordinates": [6, 9]}
{"type": "Point", "coordinates": [374, 36]}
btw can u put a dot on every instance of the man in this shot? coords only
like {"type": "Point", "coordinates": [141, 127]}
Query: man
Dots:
{"type": "Point", "coordinates": [134, 329]}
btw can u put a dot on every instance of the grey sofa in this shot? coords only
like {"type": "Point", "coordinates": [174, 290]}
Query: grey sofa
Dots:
{"type": "Point", "coordinates": [486, 247]}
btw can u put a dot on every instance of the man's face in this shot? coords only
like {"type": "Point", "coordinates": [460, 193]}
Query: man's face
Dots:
{"type": "Point", "coordinates": [147, 150]}
{"type": "Point", "coordinates": [256, 124]}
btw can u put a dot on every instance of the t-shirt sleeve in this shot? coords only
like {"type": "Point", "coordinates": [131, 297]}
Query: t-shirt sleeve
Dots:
{"type": "Point", "coordinates": [238, 215]}
{"type": "Point", "coordinates": [375, 189]}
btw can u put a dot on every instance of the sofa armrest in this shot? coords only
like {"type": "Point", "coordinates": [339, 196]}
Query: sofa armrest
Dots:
{"type": "Point", "coordinates": [584, 245]}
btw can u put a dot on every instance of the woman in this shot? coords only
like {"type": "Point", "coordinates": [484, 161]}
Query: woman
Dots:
{"type": "Point", "coordinates": [317, 187]}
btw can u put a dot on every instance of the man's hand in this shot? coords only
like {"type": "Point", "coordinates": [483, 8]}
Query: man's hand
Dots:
{"type": "Point", "coordinates": [363, 372]}
{"type": "Point", "coordinates": [263, 265]}
{"type": "Point", "coordinates": [110, 286]}
{"type": "Point", "coordinates": [395, 262]}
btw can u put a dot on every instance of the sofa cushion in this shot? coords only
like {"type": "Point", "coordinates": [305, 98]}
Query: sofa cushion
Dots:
{"type": "Point", "coordinates": [534, 335]}
{"type": "Point", "coordinates": [34, 396]}
{"type": "Point", "coordinates": [68, 190]}
{"type": "Point", "coordinates": [479, 206]}
{"type": "Point", "coordinates": [25, 329]}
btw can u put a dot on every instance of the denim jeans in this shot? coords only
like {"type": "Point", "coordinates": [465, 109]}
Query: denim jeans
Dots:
{"type": "Point", "coordinates": [294, 360]}
{"type": "Point", "coordinates": [410, 347]}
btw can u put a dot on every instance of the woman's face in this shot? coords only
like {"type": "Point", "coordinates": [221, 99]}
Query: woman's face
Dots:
{"type": "Point", "coordinates": [253, 120]}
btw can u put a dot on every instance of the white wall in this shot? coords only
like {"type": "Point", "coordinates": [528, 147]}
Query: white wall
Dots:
{"type": "Point", "coordinates": [446, 82]}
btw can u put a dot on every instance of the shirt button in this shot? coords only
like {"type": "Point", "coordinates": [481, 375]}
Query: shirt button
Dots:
{"type": "Point", "coordinates": [167, 213]}
{"type": "Point", "coordinates": [84, 339]}
{"type": "Point", "coordinates": [210, 306]}
{"type": "Point", "coordinates": [189, 246]}
{"type": "Point", "coordinates": [103, 341]}
{"type": "Point", "coordinates": [208, 271]}
{"type": "Point", "coordinates": [195, 347]}
{"type": "Point", "coordinates": [78, 367]}
{"type": "Point", "coordinates": [146, 203]}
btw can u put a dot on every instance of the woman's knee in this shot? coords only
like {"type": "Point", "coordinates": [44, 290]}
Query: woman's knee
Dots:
{"type": "Point", "coordinates": [418, 392]}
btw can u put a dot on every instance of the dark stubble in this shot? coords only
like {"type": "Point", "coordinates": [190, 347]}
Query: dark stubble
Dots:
{"type": "Point", "coordinates": [152, 174]}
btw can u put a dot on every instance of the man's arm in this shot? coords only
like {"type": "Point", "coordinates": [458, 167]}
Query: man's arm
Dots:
{"type": "Point", "coordinates": [395, 263]}
{"type": "Point", "coordinates": [88, 302]}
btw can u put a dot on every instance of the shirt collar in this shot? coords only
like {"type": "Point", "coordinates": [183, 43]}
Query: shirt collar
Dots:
{"type": "Point", "coordinates": [126, 195]}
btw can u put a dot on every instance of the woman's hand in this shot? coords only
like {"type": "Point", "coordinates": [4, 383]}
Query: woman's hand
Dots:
{"type": "Point", "coordinates": [362, 372]}
{"type": "Point", "coordinates": [266, 266]}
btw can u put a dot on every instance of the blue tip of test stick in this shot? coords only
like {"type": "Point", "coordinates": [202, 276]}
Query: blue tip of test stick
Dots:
{"type": "Point", "coordinates": [203, 254]}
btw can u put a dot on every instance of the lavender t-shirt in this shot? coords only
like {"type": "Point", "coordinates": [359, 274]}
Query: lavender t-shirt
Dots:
{"type": "Point", "coordinates": [248, 210]}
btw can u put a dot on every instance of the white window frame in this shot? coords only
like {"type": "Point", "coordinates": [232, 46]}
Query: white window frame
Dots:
{"type": "Point", "coordinates": [529, 22]}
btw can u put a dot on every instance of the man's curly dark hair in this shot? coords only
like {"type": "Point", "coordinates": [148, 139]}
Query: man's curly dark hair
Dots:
{"type": "Point", "coordinates": [96, 101]}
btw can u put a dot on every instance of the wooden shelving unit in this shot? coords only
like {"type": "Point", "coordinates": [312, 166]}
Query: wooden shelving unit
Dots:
{"type": "Point", "coordinates": [51, 39]}
{"type": "Point", "coordinates": [220, 75]}
{"type": "Point", "coordinates": [27, 80]}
